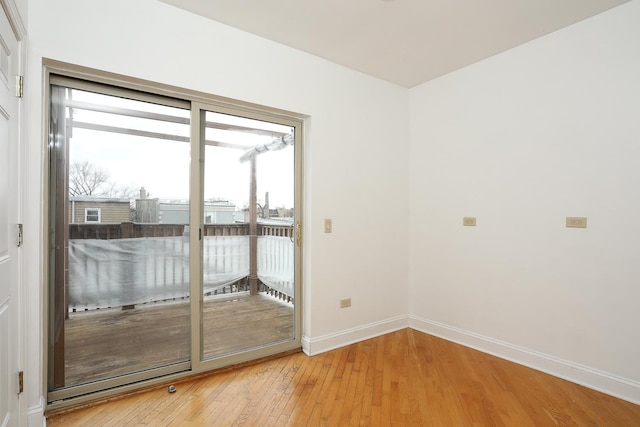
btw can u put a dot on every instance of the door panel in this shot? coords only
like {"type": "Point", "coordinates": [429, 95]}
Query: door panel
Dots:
{"type": "Point", "coordinates": [121, 301]}
{"type": "Point", "coordinates": [248, 245]}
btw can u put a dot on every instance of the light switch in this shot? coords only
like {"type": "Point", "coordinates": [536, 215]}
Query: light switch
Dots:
{"type": "Point", "coordinates": [328, 226]}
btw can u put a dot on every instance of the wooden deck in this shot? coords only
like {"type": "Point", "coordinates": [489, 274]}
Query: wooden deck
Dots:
{"type": "Point", "coordinates": [107, 343]}
{"type": "Point", "coordinates": [406, 378]}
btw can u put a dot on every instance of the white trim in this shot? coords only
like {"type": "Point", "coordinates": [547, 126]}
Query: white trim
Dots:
{"type": "Point", "coordinates": [15, 19]}
{"type": "Point", "coordinates": [86, 215]}
{"type": "Point", "coordinates": [595, 379]}
{"type": "Point", "coordinates": [324, 343]}
{"type": "Point", "coordinates": [35, 416]}
{"type": "Point", "coordinates": [306, 345]}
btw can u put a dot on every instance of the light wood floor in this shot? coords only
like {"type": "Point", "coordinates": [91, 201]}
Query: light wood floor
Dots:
{"type": "Point", "coordinates": [405, 378]}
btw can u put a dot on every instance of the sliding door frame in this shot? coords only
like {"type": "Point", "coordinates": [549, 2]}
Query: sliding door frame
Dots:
{"type": "Point", "coordinates": [197, 217]}
{"type": "Point", "coordinates": [199, 102]}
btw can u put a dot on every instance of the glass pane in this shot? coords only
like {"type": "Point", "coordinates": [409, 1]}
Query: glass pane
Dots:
{"type": "Point", "coordinates": [248, 244]}
{"type": "Point", "coordinates": [122, 304]}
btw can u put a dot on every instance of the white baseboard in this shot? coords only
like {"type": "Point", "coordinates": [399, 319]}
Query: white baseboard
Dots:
{"type": "Point", "coordinates": [622, 388]}
{"type": "Point", "coordinates": [321, 344]}
{"type": "Point", "coordinates": [35, 416]}
{"type": "Point", "coordinates": [613, 385]}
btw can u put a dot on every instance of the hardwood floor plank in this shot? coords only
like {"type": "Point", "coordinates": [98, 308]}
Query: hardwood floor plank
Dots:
{"type": "Point", "coordinates": [304, 402]}
{"type": "Point", "coordinates": [332, 386]}
{"type": "Point", "coordinates": [269, 378]}
{"type": "Point", "coordinates": [406, 378]}
{"type": "Point", "coordinates": [312, 411]}
{"type": "Point", "coordinates": [340, 405]}
{"type": "Point", "coordinates": [352, 407]}
{"type": "Point", "coordinates": [279, 394]}
{"type": "Point", "coordinates": [369, 383]}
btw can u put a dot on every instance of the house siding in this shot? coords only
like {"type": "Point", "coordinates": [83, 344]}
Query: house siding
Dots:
{"type": "Point", "coordinates": [111, 212]}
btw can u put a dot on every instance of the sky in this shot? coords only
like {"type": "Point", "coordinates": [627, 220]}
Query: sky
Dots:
{"type": "Point", "coordinates": [162, 165]}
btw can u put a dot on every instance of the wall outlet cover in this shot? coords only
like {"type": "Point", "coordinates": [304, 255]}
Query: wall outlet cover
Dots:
{"type": "Point", "coordinates": [576, 222]}
{"type": "Point", "coordinates": [469, 221]}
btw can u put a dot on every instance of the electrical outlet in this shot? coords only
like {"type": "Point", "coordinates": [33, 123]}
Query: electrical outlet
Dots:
{"type": "Point", "coordinates": [344, 303]}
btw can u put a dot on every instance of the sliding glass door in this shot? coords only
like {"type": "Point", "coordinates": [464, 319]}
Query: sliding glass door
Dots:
{"type": "Point", "coordinates": [249, 234]}
{"type": "Point", "coordinates": [174, 238]}
{"type": "Point", "coordinates": [120, 294]}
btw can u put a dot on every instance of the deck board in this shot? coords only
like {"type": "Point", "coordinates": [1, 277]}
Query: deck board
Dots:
{"type": "Point", "coordinates": [106, 343]}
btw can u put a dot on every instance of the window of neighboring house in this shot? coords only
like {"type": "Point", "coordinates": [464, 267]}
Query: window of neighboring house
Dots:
{"type": "Point", "coordinates": [92, 215]}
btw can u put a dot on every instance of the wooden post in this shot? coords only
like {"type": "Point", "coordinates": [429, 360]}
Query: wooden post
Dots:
{"type": "Point", "coordinates": [253, 231]}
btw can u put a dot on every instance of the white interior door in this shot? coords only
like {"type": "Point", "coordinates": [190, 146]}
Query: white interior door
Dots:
{"type": "Point", "coordinates": [9, 214]}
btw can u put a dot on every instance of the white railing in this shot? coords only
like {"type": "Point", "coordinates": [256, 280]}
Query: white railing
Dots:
{"type": "Point", "coordinates": [225, 260]}
{"type": "Point", "coordinates": [276, 264]}
{"type": "Point", "coordinates": [131, 271]}
{"type": "Point", "coordinates": [121, 272]}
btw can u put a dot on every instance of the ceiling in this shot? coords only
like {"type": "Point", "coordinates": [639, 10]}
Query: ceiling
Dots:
{"type": "Point", "coordinates": [406, 42]}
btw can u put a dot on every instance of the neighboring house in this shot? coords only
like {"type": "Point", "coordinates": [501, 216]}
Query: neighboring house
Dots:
{"type": "Point", "coordinates": [173, 212]}
{"type": "Point", "coordinates": [156, 211]}
{"type": "Point", "coordinates": [282, 213]}
{"type": "Point", "coordinates": [220, 212]}
{"type": "Point", "coordinates": [98, 210]}
{"type": "Point", "coordinates": [177, 212]}
{"type": "Point", "coordinates": [146, 209]}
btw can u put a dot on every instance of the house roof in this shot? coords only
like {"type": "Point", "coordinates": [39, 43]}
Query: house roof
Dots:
{"type": "Point", "coordinates": [98, 199]}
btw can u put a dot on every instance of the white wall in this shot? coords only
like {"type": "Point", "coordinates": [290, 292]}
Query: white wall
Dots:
{"type": "Point", "coordinates": [356, 149]}
{"type": "Point", "coordinates": [522, 140]}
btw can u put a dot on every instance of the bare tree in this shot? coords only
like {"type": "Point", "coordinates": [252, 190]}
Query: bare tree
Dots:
{"type": "Point", "coordinates": [87, 179]}
{"type": "Point", "coordinates": [121, 191]}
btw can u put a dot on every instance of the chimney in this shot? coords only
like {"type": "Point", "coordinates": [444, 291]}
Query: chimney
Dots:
{"type": "Point", "coordinates": [143, 193]}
